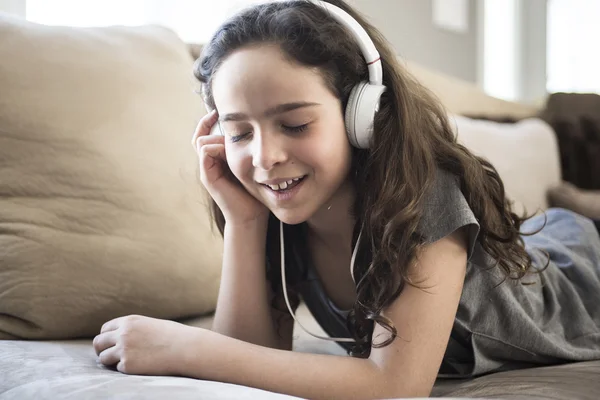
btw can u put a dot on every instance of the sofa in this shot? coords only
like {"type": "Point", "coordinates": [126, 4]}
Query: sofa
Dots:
{"type": "Point", "coordinates": [102, 213]}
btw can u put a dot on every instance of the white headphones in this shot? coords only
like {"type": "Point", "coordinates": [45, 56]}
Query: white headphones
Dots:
{"type": "Point", "coordinates": [364, 99]}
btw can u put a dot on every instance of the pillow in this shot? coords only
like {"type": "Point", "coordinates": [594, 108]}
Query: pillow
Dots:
{"type": "Point", "coordinates": [101, 210]}
{"type": "Point", "coordinates": [525, 154]}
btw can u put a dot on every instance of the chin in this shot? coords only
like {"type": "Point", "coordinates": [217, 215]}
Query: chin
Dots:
{"type": "Point", "coordinates": [290, 217]}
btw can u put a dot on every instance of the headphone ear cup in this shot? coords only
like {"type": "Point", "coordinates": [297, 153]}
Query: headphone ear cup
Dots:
{"type": "Point", "coordinates": [351, 113]}
{"type": "Point", "coordinates": [363, 104]}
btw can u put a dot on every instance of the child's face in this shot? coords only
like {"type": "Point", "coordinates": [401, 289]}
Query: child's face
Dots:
{"type": "Point", "coordinates": [263, 147]}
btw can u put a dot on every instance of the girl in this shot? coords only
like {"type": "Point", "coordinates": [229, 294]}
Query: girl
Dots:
{"type": "Point", "coordinates": [402, 244]}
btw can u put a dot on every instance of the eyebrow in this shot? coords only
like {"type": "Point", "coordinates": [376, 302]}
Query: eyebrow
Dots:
{"type": "Point", "coordinates": [279, 109]}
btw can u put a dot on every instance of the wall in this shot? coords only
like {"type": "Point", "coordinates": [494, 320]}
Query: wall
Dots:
{"type": "Point", "coordinates": [16, 7]}
{"type": "Point", "coordinates": [408, 25]}
{"type": "Point", "coordinates": [533, 59]}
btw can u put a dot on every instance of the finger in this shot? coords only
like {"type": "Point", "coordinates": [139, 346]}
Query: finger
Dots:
{"type": "Point", "coordinates": [211, 155]}
{"type": "Point", "coordinates": [209, 139]}
{"type": "Point", "coordinates": [205, 125]}
{"type": "Point", "coordinates": [121, 367]}
{"type": "Point", "coordinates": [111, 325]}
{"type": "Point", "coordinates": [110, 356]}
{"type": "Point", "coordinates": [104, 340]}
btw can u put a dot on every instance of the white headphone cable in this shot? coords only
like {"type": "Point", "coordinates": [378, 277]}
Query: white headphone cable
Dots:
{"type": "Point", "coordinates": [284, 286]}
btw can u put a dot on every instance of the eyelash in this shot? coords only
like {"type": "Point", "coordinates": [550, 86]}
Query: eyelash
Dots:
{"type": "Point", "coordinates": [295, 129]}
{"type": "Point", "coordinates": [292, 129]}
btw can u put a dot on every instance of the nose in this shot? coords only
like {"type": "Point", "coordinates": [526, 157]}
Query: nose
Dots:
{"type": "Point", "coordinates": [268, 150]}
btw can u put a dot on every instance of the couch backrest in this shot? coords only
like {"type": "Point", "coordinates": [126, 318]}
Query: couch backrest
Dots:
{"type": "Point", "coordinates": [466, 98]}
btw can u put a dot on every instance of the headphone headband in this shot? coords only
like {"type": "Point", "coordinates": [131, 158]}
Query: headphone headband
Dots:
{"type": "Point", "coordinates": [368, 49]}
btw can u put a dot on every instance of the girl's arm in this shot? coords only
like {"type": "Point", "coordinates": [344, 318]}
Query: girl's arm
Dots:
{"type": "Point", "coordinates": [244, 303]}
{"type": "Point", "coordinates": [406, 368]}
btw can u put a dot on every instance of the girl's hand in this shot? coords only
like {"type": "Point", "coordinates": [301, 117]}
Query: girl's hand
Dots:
{"type": "Point", "coordinates": [238, 206]}
{"type": "Point", "coordinates": [143, 346]}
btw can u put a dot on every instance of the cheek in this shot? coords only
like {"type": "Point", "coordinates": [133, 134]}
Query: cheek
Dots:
{"type": "Point", "coordinates": [333, 148]}
{"type": "Point", "coordinates": [239, 163]}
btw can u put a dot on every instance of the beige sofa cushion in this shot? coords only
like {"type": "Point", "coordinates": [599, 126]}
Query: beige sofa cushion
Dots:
{"type": "Point", "coordinates": [524, 153]}
{"type": "Point", "coordinates": [466, 98]}
{"type": "Point", "coordinates": [101, 210]}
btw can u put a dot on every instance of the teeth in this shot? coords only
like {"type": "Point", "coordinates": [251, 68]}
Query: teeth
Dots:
{"type": "Point", "coordinates": [284, 185]}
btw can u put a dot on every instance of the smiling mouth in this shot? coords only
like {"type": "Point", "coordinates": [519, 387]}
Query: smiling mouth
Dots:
{"type": "Point", "coordinates": [285, 186]}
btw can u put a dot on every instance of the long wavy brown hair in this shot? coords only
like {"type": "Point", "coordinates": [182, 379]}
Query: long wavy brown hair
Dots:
{"type": "Point", "coordinates": [412, 139]}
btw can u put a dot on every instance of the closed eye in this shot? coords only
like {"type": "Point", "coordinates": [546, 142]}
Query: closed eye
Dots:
{"type": "Point", "coordinates": [291, 129]}
{"type": "Point", "coordinates": [239, 137]}
{"type": "Point", "coordinates": [295, 129]}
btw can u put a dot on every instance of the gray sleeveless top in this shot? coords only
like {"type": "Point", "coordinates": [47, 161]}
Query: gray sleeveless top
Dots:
{"type": "Point", "coordinates": [500, 326]}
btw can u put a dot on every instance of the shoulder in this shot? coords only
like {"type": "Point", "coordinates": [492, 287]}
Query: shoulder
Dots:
{"type": "Point", "coordinates": [446, 210]}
